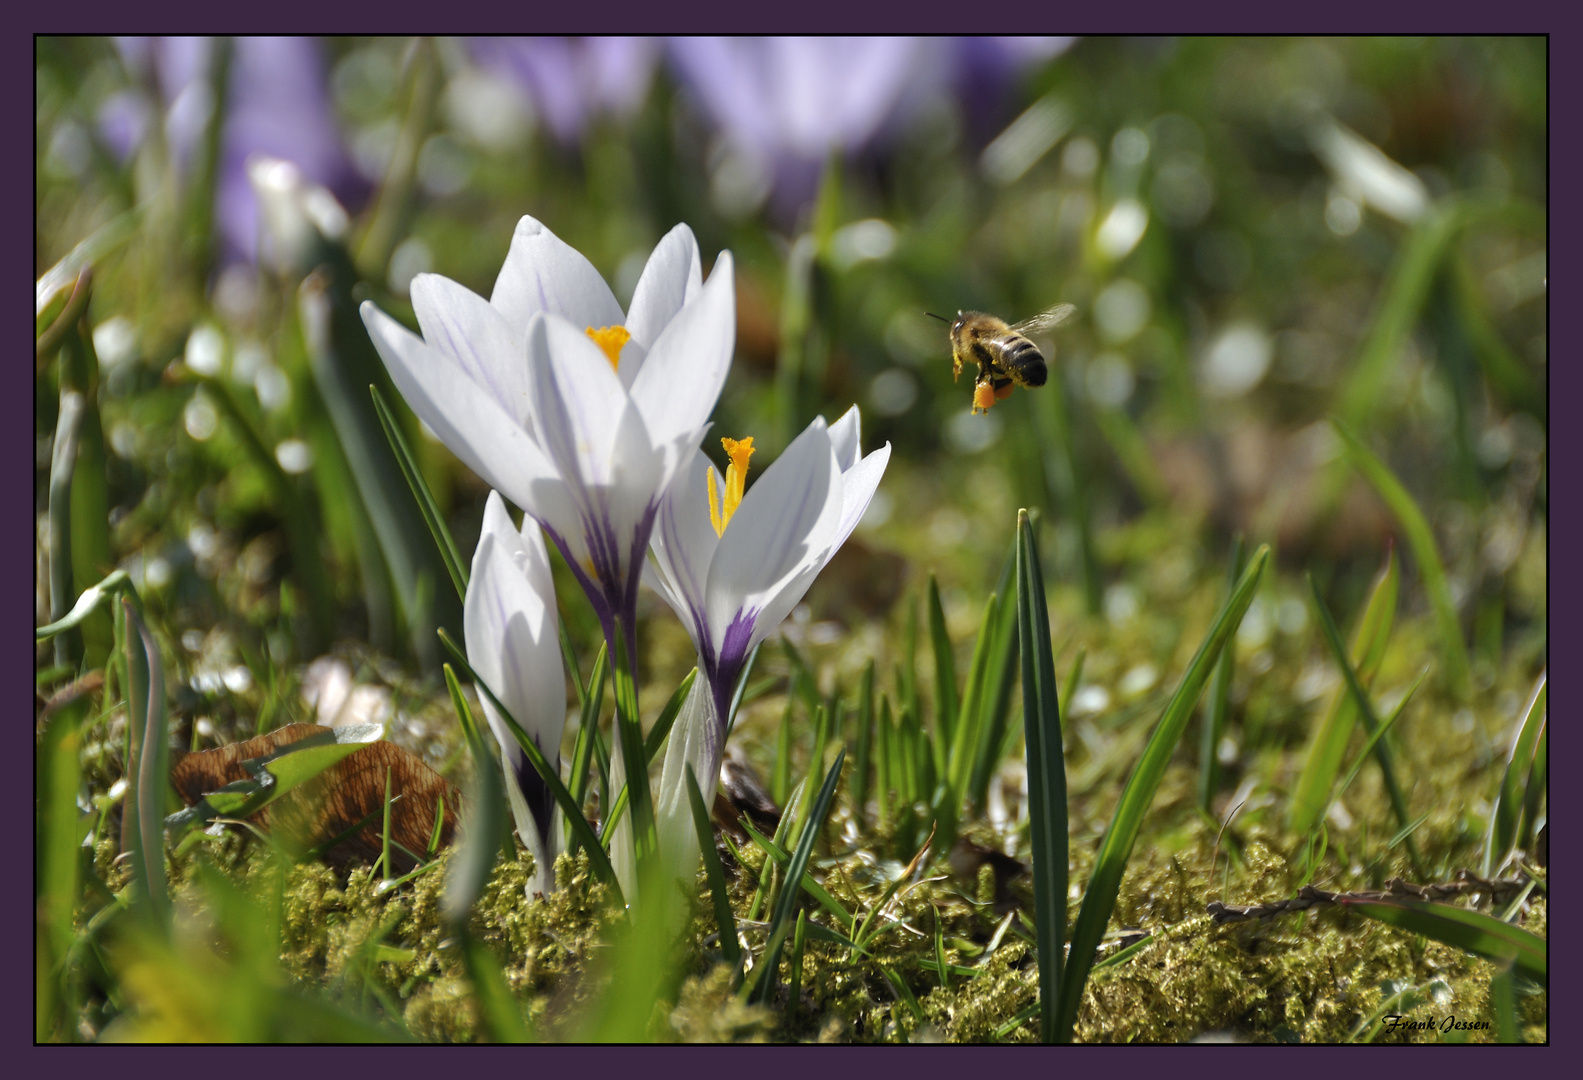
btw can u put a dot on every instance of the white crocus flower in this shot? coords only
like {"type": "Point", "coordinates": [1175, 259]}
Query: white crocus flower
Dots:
{"type": "Point", "coordinates": [732, 566]}
{"type": "Point", "coordinates": [512, 645]}
{"type": "Point", "coordinates": [578, 413]}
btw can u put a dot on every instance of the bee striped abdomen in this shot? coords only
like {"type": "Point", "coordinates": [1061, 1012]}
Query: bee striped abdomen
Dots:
{"type": "Point", "coordinates": [1022, 360]}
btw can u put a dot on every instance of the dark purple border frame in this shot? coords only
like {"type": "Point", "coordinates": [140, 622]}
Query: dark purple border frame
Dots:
{"type": "Point", "coordinates": [936, 16]}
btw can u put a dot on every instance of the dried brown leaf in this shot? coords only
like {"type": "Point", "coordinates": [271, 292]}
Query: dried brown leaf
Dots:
{"type": "Point", "coordinates": [330, 804]}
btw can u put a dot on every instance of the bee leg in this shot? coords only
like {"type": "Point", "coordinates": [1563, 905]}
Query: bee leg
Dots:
{"type": "Point", "coordinates": [983, 396]}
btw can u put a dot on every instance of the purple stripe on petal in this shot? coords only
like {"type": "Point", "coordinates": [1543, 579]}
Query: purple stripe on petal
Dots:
{"type": "Point", "coordinates": [537, 794]}
{"type": "Point", "coordinates": [733, 654]}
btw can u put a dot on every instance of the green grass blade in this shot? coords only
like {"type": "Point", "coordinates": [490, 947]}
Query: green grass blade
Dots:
{"type": "Point", "coordinates": [865, 742]}
{"type": "Point", "coordinates": [1422, 540]}
{"type": "Point", "coordinates": [884, 739]}
{"type": "Point", "coordinates": [904, 992]}
{"type": "Point", "coordinates": [587, 735]}
{"type": "Point", "coordinates": [781, 920]}
{"type": "Point", "coordinates": [1368, 747]}
{"type": "Point", "coordinates": [147, 716]}
{"type": "Point", "coordinates": [1508, 799]}
{"type": "Point", "coordinates": [63, 464]}
{"type": "Point", "coordinates": [999, 683]}
{"type": "Point", "coordinates": [779, 856]}
{"type": "Point", "coordinates": [946, 705]}
{"type": "Point", "coordinates": [739, 694]}
{"type": "Point", "coordinates": [1382, 751]}
{"type": "Point", "coordinates": [1219, 698]}
{"type": "Point", "coordinates": [569, 657]}
{"type": "Point", "coordinates": [1328, 747]}
{"type": "Point", "coordinates": [1114, 850]}
{"type": "Point", "coordinates": [86, 605]}
{"type": "Point", "coordinates": [1074, 679]}
{"type": "Point", "coordinates": [454, 565]}
{"type": "Point", "coordinates": [780, 773]}
{"type": "Point", "coordinates": [57, 840]}
{"type": "Point", "coordinates": [1503, 1003]}
{"type": "Point", "coordinates": [1477, 933]}
{"type": "Point", "coordinates": [667, 718]}
{"type": "Point", "coordinates": [486, 816]}
{"type": "Point", "coordinates": [563, 798]}
{"type": "Point", "coordinates": [1534, 791]}
{"type": "Point", "coordinates": [730, 948]}
{"type": "Point", "coordinates": [502, 1016]}
{"type": "Point", "coordinates": [629, 731]}
{"type": "Point", "coordinates": [1041, 719]}
{"type": "Point", "coordinates": [965, 734]}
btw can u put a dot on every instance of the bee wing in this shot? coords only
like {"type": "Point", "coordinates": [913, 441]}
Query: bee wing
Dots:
{"type": "Point", "coordinates": [1046, 320]}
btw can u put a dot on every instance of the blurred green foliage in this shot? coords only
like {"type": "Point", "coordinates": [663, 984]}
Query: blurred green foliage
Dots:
{"type": "Point", "coordinates": [1259, 235]}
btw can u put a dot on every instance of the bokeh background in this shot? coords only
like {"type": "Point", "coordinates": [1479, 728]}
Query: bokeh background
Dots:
{"type": "Point", "coordinates": [1233, 219]}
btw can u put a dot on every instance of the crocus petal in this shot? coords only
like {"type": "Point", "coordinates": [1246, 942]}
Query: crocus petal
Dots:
{"type": "Point", "coordinates": [672, 277]}
{"type": "Point", "coordinates": [785, 524]}
{"type": "Point", "coordinates": [685, 369]}
{"type": "Point", "coordinates": [846, 438]}
{"type": "Point", "coordinates": [858, 485]}
{"type": "Point", "coordinates": [463, 325]}
{"type": "Point", "coordinates": [465, 417]}
{"type": "Point", "coordinates": [696, 741]}
{"type": "Point", "coordinates": [683, 546]}
{"type": "Point", "coordinates": [576, 398]}
{"type": "Point", "coordinates": [509, 620]}
{"type": "Point", "coordinates": [544, 273]}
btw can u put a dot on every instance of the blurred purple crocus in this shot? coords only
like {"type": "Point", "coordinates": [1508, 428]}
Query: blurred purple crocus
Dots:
{"type": "Point", "coordinates": [276, 104]}
{"type": "Point", "coordinates": [785, 104]}
{"type": "Point", "coordinates": [572, 80]}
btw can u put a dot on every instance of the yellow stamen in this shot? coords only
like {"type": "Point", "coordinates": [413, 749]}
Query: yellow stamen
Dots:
{"type": "Point", "coordinates": [610, 339]}
{"type": "Point", "coordinates": [738, 450]}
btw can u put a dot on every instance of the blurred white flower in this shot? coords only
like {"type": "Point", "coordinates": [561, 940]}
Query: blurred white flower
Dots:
{"type": "Point", "coordinates": [512, 645]}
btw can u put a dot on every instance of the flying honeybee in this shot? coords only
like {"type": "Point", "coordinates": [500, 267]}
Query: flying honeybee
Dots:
{"type": "Point", "coordinates": [1003, 354]}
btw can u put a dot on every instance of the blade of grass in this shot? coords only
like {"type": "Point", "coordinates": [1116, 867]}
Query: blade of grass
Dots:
{"type": "Point", "coordinates": [1041, 720]}
{"type": "Point", "coordinates": [1073, 679]}
{"type": "Point", "coordinates": [1002, 677]}
{"type": "Point", "coordinates": [794, 980]}
{"type": "Point", "coordinates": [146, 713]}
{"type": "Point", "coordinates": [965, 737]}
{"type": "Point", "coordinates": [486, 810]}
{"type": "Point", "coordinates": [865, 742]}
{"type": "Point", "coordinates": [1508, 800]}
{"type": "Point", "coordinates": [739, 694]}
{"type": "Point", "coordinates": [946, 705]}
{"type": "Point", "coordinates": [730, 948]}
{"type": "Point", "coordinates": [779, 856]}
{"type": "Point", "coordinates": [780, 774]}
{"type": "Point", "coordinates": [883, 740]}
{"type": "Point", "coordinates": [1368, 747]}
{"type": "Point", "coordinates": [587, 737]}
{"type": "Point", "coordinates": [1422, 540]}
{"type": "Point", "coordinates": [57, 840]}
{"type": "Point", "coordinates": [563, 798]}
{"type": "Point", "coordinates": [1219, 697]}
{"type": "Point", "coordinates": [1503, 1003]}
{"type": "Point", "coordinates": [1328, 747]}
{"type": "Point", "coordinates": [454, 565]}
{"type": "Point", "coordinates": [667, 718]}
{"type": "Point", "coordinates": [502, 1016]}
{"type": "Point", "coordinates": [1382, 752]}
{"type": "Point", "coordinates": [904, 993]}
{"type": "Point", "coordinates": [1110, 864]}
{"type": "Point", "coordinates": [1472, 931]}
{"type": "Point", "coordinates": [63, 462]}
{"type": "Point", "coordinates": [781, 920]}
